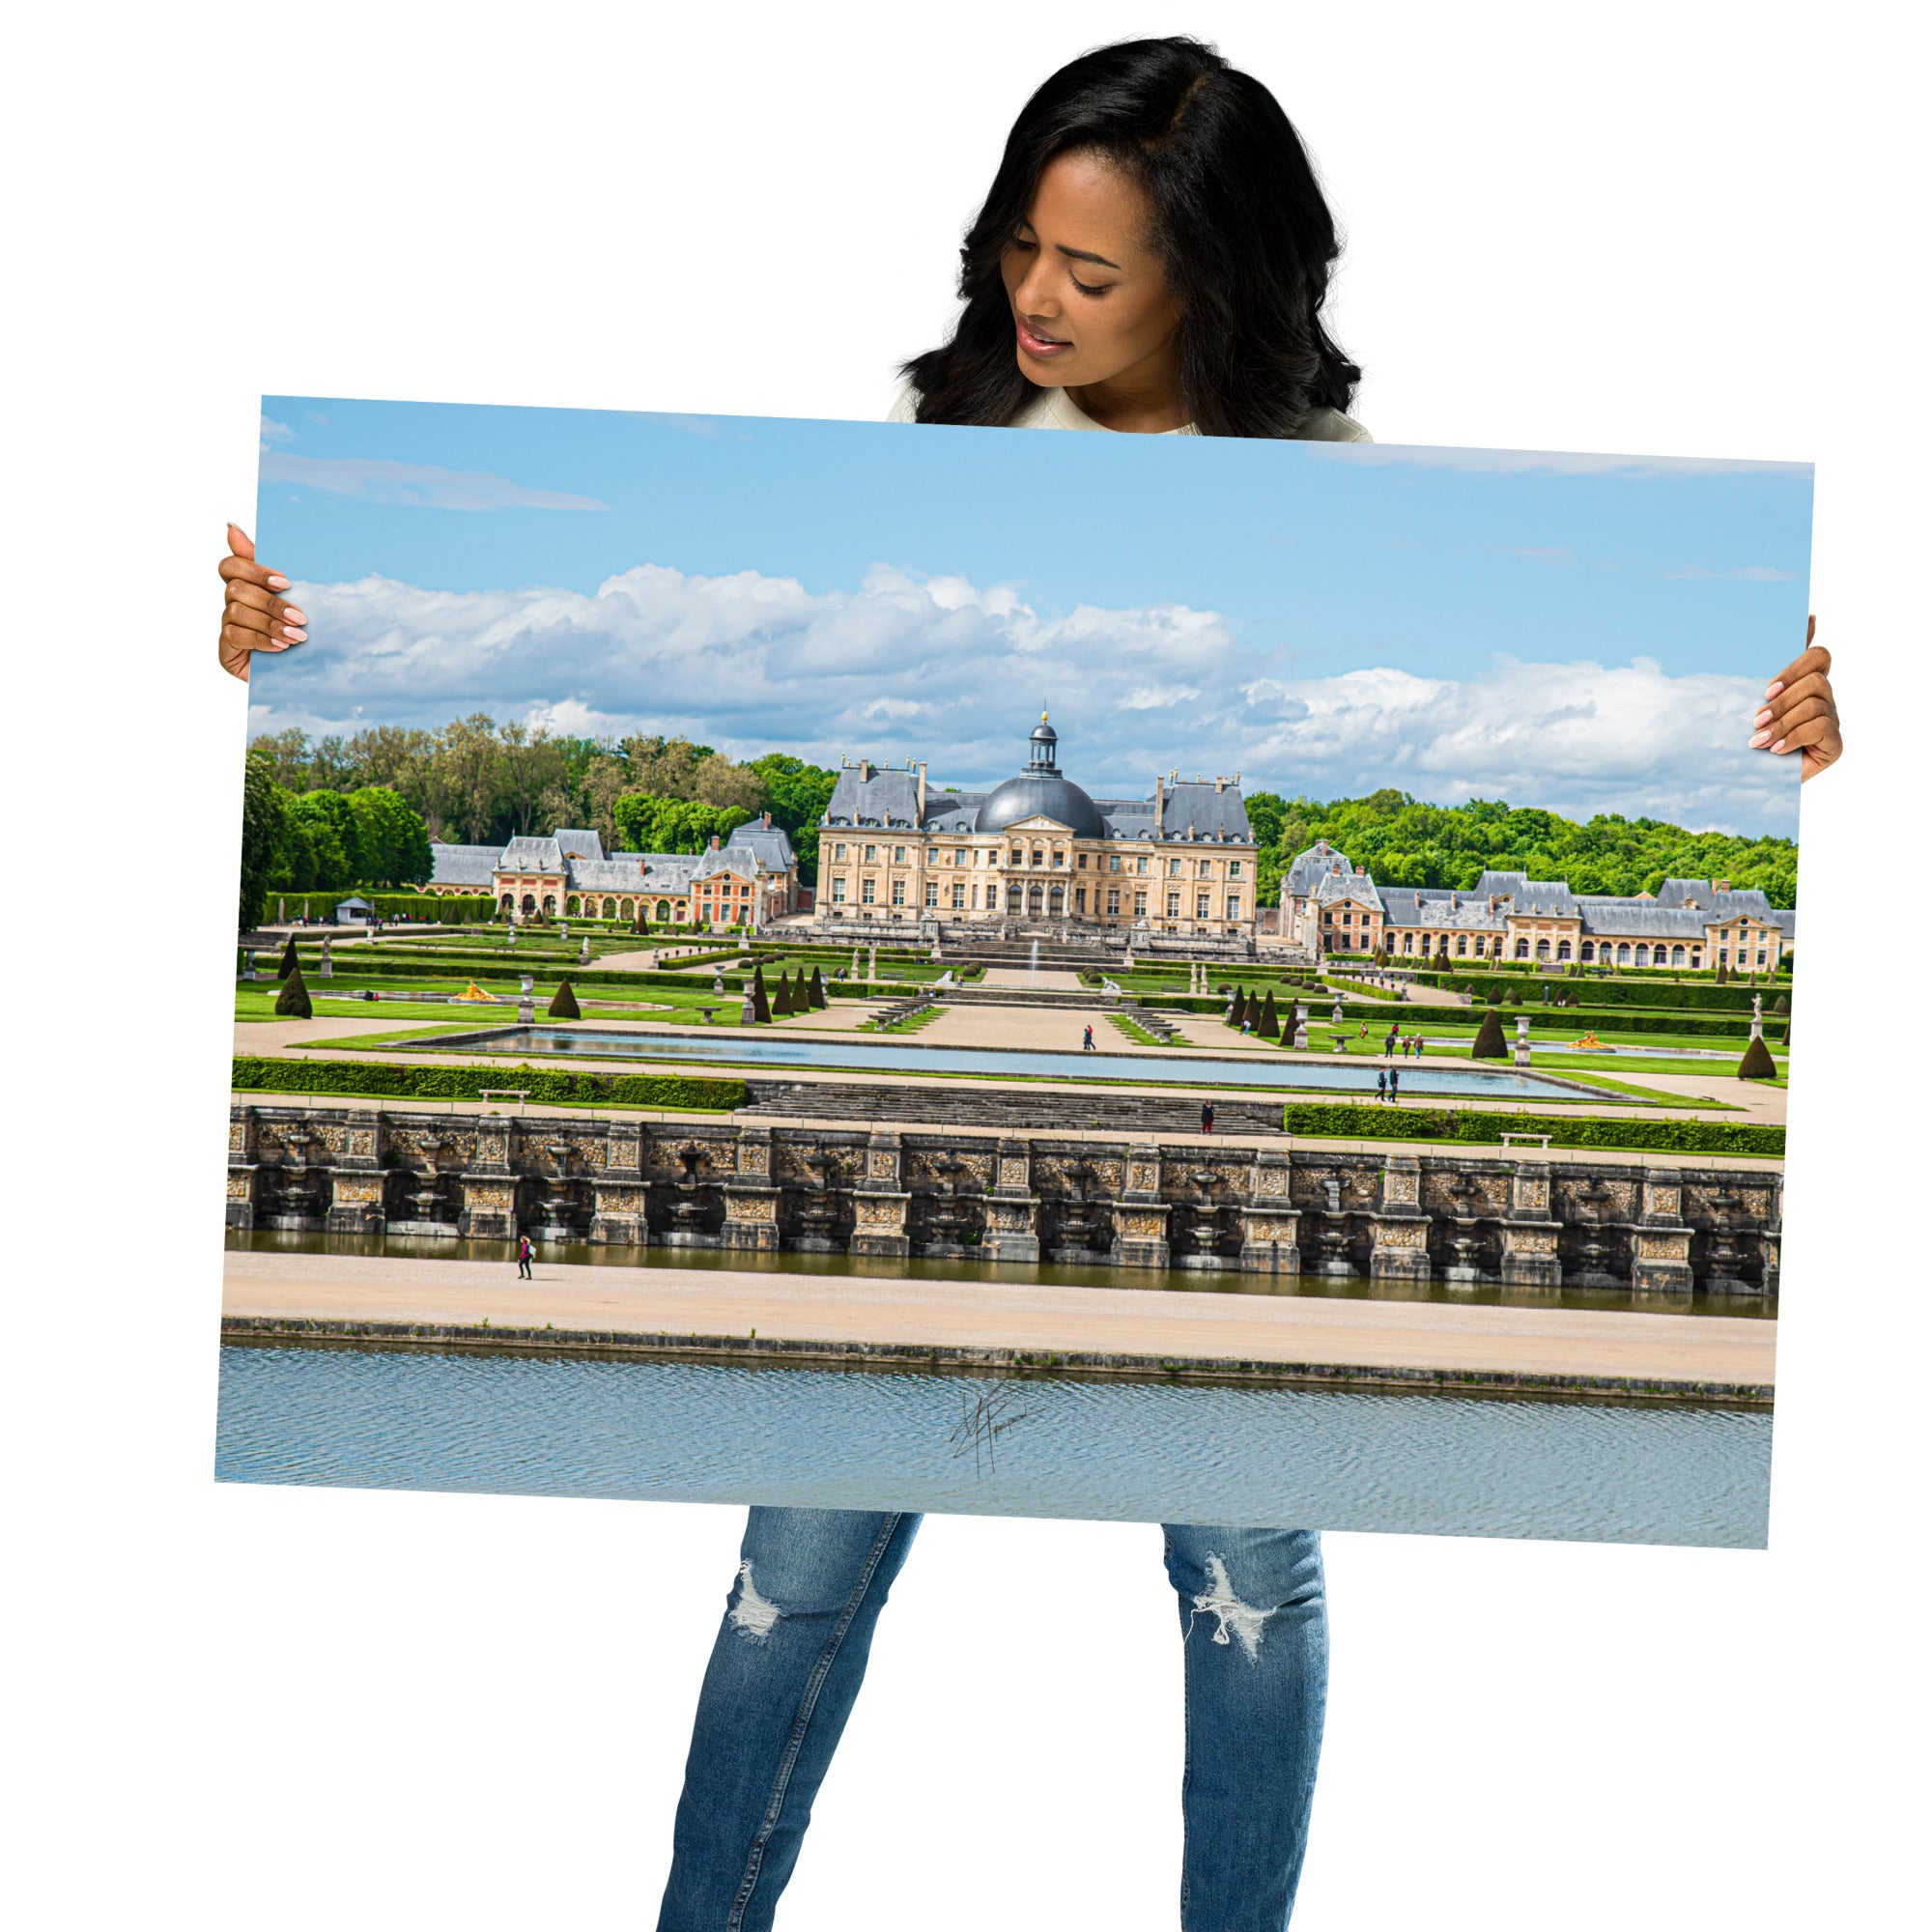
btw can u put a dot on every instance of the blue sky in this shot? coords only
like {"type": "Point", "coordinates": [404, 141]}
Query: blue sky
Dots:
{"type": "Point", "coordinates": [1578, 632]}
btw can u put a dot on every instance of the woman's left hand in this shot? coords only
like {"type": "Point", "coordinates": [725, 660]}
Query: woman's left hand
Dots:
{"type": "Point", "coordinates": [1799, 713]}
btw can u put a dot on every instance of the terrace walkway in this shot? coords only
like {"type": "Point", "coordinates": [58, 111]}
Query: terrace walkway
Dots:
{"type": "Point", "coordinates": [1153, 1323]}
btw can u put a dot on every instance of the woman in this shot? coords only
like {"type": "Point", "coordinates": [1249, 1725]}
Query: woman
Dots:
{"type": "Point", "coordinates": [1153, 257]}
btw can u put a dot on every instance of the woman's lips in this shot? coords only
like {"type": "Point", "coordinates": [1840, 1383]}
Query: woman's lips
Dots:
{"type": "Point", "coordinates": [1035, 344]}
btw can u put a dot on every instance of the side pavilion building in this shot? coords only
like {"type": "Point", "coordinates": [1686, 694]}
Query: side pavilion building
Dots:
{"type": "Point", "coordinates": [1328, 905]}
{"type": "Point", "coordinates": [751, 877]}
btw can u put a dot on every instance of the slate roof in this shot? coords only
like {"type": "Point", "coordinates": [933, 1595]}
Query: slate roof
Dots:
{"type": "Point", "coordinates": [574, 841]}
{"type": "Point", "coordinates": [461, 865]}
{"type": "Point", "coordinates": [1348, 888]}
{"type": "Point", "coordinates": [886, 798]}
{"type": "Point", "coordinates": [769, 842]}
{"type": "Point", "coordinates": [1308, 868]}
{"type": "Point", "coordinates": [1213, 811]}
{"type": "Point", "coordinates": [1548, 899]}
{"type": "Point", "coordinates": [531, 855]}
{"type": "Point", "coordinates": [1126, 818]}
{"type": "Point", "coordinates": [1604, 917]}
{"type": "Point", "coordinates": [1438, 907]}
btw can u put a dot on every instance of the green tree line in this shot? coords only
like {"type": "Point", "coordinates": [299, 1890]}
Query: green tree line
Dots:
{"type": "Point", "coordinates": [476, 781]}
{"type": "Point", "coordinates": [323, 840]}
{"type": "Point", "coordinates": [1404, 842]}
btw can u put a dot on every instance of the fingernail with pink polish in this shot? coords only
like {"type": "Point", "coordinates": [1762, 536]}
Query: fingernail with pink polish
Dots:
{"type": "Point", "coordinates": [1762, 717]}
{"type": "Point", "coordinates": [278, 582]}
{"type": "Point", "coordinates": [1763, 737]}
{"type": "Point", "coordinates": [1779, 746]}
{"type": "Point", "coordinates": [294, 616]}
{"type": "Point", "coordinates": [1771, 690]}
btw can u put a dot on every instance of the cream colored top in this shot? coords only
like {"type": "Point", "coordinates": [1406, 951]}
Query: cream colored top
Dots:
{"type": "Point", "coordinates": [1055, 409]}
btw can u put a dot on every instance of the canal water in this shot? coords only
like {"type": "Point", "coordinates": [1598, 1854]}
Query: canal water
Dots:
{"type": "Point", "coordinates": [1145, 1070]}
{"type": "Point", "coordinates": [1192, 1281]}
{"type": "Point", "coordinates": [361, 1417]}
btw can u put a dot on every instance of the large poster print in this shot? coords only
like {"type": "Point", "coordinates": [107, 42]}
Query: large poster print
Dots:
{"type": "Point", "coordinates": [885, 966]}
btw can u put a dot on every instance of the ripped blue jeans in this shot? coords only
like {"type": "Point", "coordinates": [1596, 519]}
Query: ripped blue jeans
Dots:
{"type": "Point", "coordinates": [790, 1655]}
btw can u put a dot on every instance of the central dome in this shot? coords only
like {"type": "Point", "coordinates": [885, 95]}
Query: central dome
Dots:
{"type": "Point", "coordinates": [1040, 792]}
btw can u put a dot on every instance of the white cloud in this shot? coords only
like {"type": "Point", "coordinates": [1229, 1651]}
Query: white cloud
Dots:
{"type": "Point", "coordinates": [1543, 461]}
{"type": "Point", "coordinates": [274, 432]}
{"type": "Point", "coordinates": [420, 485]}
{"type": "Point", "coordinates": [1750, 573]}
{"type": "Point", "coordinates": [942, 671]}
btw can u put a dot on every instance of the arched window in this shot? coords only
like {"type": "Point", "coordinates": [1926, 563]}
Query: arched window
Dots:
{"type": "Point", "coordinates": [573, 905]}
{"type": "Point", "coordinates": [1623, 955]}
{"type": "Point", "coordinates": [1589, 950]}
{"type": "Point", "coordinates": [1523, 949]}
{"type": "Point", "coordinates": [663, 909]}
{"type": "Point", "coordinates": [1677, 956]}
{"type": "Point", "coordinates": [1643, 955]}
{"type": "Point", "coordinates": [530, 904]}
{"type": "Point", "coordinates": [550, 904]}
{"type": "Point", "coordinates": [1057, 900]}
{"type": "Point", "coordinates": [1543, 949]}
{"type": "Point", "coordinates": [1562, 949]}
{"type": "Point", "coordinates": [509, 903]}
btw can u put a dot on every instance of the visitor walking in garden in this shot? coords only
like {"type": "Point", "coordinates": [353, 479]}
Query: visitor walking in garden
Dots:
{"type": "Point", "coordinates": [524, 1253]}
{"type": "Point", "coordinates": [1206, 1116]}
{"type": "Point", "coordinates": [1086, 1040]}
{"type": "Point", "coordinates": [1381, 1084]}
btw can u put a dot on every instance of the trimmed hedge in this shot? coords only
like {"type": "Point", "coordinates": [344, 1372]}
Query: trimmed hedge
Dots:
{"type": "Point", "coordinates": [401, 1080]}
{"type": "Point", "coordinates": [1636, 990]}
{"type": "Point", "coordinates": [1342, 1120]}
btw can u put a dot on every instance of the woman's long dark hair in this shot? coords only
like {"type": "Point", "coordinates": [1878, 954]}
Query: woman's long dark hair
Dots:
{"type": "Point", "coordinates": [1243, 234]}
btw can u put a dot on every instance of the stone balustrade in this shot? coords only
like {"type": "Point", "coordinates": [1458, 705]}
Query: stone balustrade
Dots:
{"type": "Point", "coordinates": [1391, 1214]}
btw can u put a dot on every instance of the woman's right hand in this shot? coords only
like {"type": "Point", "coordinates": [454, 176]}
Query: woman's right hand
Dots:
{"type": "Point", "coordinates": [253, 614]}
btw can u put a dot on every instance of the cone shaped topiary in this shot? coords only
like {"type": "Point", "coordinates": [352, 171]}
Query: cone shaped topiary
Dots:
{"type": "Point", "coordinates": [761, 1001]}
{"type": "Point", "coordinates": [1270, 1026]}
{"type": "Point", "coordinates": [1720, 975]}
{"type": "Point", "coordinates": [1489, 1042]}
{"type": "Point", "coordinates": [563, 1004]}
{"type": "Point", "coordinates": [290, 963]}
{"type": "Point", "coordinates": [1781, 1005]}
{"type": "Point", "coordinates": [1515, 996]}
{"type": "Point", "coordinates": [1757, 1062]}
{"type": "Point", "coordinates": [817, 990]}
{"type": "Point", "coordinates": [292, 1003]}
{"type": "Point", "coordinates": [1236, 1007]}
{"type": "Point", "coordinates": [1251, 1015]}
{"type": "Point", "coordinates": [782, 1005]}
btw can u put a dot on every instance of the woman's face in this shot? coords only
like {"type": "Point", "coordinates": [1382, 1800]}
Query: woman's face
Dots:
{"type": "Point", "coordinates": [1091, 301]}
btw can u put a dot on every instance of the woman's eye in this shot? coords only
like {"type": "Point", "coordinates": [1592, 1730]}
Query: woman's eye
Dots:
{"type": "Point", "coordinates": [1096, 289]}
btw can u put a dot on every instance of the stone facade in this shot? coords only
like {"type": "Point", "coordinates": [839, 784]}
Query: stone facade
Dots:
{"type": "Point", "coordinates": [1328, 905]}
{"type": "Point", "coordinates": [1396, 1215]}
{"type": "Point", "coordinates": [1036, 852]}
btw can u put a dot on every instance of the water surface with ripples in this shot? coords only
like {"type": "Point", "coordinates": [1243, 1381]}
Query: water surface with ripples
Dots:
{"type": "Point", "coordinates": [837, 1439]}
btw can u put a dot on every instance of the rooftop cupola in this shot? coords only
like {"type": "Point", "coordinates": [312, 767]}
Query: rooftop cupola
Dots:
{"type": "Point", "coordinates": [1041, 748]}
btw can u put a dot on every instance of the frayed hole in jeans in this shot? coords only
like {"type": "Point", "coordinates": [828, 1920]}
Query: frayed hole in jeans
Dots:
{"type": "Point", "coordinates": [1236, 1621]}
{"type": "Point", "coordinates": [753, 1616]}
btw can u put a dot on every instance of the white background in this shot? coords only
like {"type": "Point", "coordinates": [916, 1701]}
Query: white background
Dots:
{"type": "Point", "coordinates": [1678, 229]}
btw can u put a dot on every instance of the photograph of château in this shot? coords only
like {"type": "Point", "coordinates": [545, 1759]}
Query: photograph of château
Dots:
{"type": "Point", "coordinates": [1263, 1008]}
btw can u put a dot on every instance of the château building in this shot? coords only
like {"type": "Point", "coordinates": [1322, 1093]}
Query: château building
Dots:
{"type": "Point", "coordinates": [749, 878]}
{"type": "Point", "coordinates": [1328, 905]}
{"type": "Point", "coordinates": [1037, 850]}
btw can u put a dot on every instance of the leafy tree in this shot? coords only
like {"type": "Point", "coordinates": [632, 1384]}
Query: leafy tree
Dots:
{"type": "Point", "coordinates": [394, 838]}
{"type": "Point", "coordinates": [563, 1003]}
{"type": "Point", "coordinates": [797, 795]}
{"type": "Point", "coordinates": [1489, 1042]}
{"type": "Point", "coordinates": [648, 823]}
{"type": "Point", "coordinates": [263, 814]}
{"type": "Point", "coordinates": [335, 838]}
